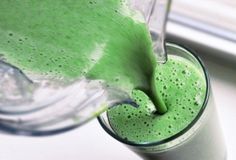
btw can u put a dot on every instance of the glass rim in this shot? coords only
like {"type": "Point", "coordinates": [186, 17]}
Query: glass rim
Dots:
{"type": "Point", "coordinates": [188, 127]}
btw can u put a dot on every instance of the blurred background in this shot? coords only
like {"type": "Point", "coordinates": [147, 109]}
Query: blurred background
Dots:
{"type": "Point", "coordinates": [206, 23]}
{"type": "Point", "coordinates": [206, 26]}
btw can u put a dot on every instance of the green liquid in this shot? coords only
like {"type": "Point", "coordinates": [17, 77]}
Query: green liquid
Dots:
{"type": "Point", "coordinates": [99, 39]}
{"type": "Point", "coordinates": [183, 89]}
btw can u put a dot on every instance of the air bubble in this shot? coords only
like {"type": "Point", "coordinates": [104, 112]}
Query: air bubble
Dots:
{"type": "Point", "coordinates": [196, 103]}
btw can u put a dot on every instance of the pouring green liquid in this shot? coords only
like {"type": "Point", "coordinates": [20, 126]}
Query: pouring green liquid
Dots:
{"type": "Point", "coordinates": [69, 39]}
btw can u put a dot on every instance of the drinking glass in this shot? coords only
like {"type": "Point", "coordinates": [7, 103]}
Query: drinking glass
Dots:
{"type": "Point", "coordinates": [201, 140]}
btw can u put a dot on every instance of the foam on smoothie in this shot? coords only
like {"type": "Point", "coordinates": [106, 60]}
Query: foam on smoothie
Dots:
{"type": "Point", "coordinates": [183, 89]}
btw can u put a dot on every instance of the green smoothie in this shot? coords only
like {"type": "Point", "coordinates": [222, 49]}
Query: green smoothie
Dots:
{"type": "Point", "coordinates": [64, 40]}
{"type": "Point", "coordinates": [183, 89]}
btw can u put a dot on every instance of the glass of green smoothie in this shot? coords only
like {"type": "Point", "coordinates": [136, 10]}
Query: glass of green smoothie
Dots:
{"type": "Point", "coordinates": [188, 130]}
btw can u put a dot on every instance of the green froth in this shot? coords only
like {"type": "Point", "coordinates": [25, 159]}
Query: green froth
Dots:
{"type": "Point", "coordinates": [183, 89]}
